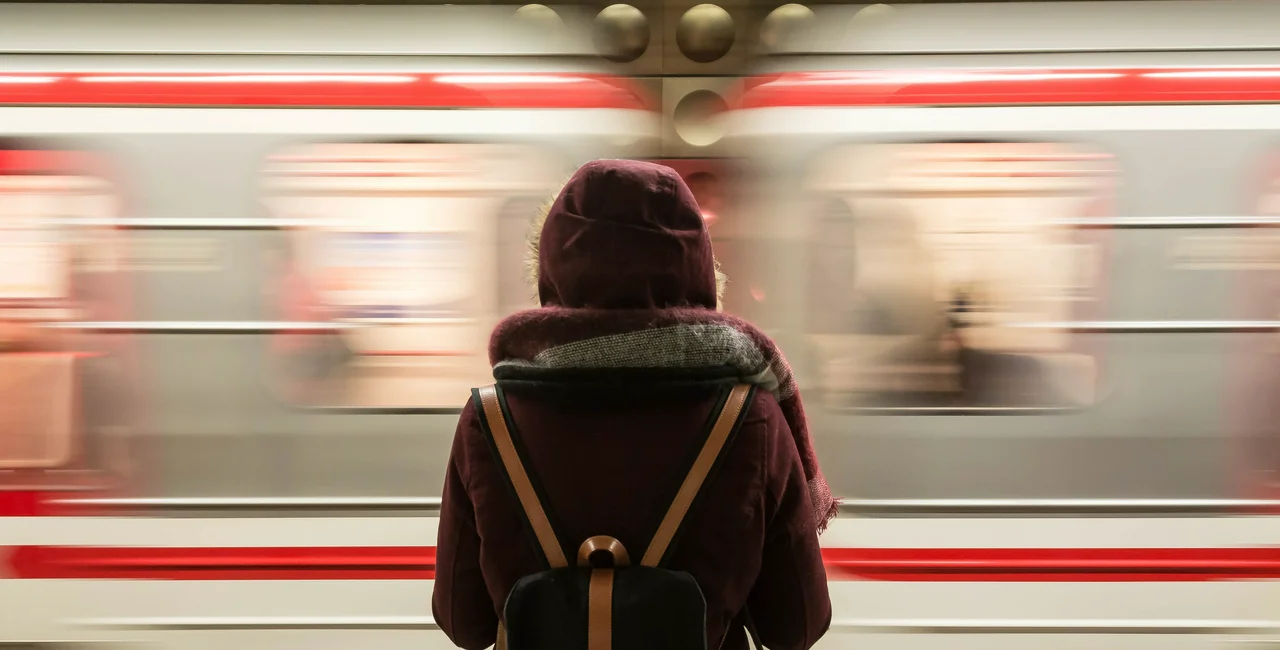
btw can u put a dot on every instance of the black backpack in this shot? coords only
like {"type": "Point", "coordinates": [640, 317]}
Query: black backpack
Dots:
{"type": "Point", "coordinates": [603, 602]}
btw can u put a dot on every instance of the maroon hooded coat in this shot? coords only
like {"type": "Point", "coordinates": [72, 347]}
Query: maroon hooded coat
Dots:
{"type": "Point", "coordinates": [607, 442]}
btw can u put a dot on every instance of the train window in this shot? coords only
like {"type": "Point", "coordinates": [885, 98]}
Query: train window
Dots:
{"type": "Point", "coordinates": [936, 270]}
{"type": "Point", "coordinates": [406, 249]}
{"type": "Point", "coordinates": [64, 402]}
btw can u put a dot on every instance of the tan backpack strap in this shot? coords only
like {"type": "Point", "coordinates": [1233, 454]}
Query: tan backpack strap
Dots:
{"type": "Point", "coordinates": [510, 460]}
{"type": "Point", "coordinates": [706, 459]}
{"type": "Point", "coordinates": [600, 610]}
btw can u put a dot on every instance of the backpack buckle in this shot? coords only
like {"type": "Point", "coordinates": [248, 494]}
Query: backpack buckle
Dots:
{"type": "Point", "coordinates": [603, 552]}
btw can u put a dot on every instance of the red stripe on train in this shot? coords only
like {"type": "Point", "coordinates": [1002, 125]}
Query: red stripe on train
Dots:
{"type": "Point", "coordinates": [1014, 86]}
{"type": "Point", "coordinates": [888, 564]}
{"type": "Point", "coordinates": [487, 90]}
{"type": "Point", "coordinates": [269, 563]}
{"type": "Point", "coordinates": [21, 503]}
{"type": "Point", "coordinates": [1053, 565]}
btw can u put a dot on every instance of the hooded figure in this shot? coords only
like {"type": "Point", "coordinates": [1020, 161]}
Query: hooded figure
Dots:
{"type": "Point", "coordinates": [609, 385]}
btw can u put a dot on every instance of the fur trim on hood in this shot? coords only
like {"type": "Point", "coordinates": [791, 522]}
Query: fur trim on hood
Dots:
{"type": "Point", "coordinates": [535, 234]}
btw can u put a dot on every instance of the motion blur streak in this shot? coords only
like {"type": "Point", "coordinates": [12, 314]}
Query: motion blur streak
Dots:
{"type": "Point", "coordinates": [1020, 256]}
{"type": "Point", "coordinates": [245, 79]}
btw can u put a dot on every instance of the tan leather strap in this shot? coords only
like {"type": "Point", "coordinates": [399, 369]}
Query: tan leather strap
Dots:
{"type": "Point", "coordinates": [600, 610]}
{"type": "Point", "coordinates": [510, 460]}
{"type": "Point", "coordinates": [697, 474]}
{"type": "Point", "coordinates": [502, 637]}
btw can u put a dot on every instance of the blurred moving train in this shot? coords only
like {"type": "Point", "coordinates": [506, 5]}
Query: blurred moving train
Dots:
{"type": "Point", "coordinates": [1018, 254]}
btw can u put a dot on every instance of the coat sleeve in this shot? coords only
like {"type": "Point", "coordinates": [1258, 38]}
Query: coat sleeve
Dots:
{"type": "Point", "coordinates": [461, 603]}
{"type": "Point", "coordinates": [789, 604]}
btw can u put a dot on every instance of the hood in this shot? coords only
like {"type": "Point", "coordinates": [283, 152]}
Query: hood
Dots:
{"type": "Point", "coordinates": [624, 235]}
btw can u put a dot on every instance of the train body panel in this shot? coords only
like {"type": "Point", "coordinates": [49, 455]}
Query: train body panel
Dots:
{"type": "Point", "coordinates": [1085, 462]}
{"type": "Point", "coordinates": [282, 581]}
{"type": "Point", "coordinates": [1180, 450]}
{"type": "Point", "coordinates": [249, 200]}
{"type": "Point", "coordinates": [1024, 273]}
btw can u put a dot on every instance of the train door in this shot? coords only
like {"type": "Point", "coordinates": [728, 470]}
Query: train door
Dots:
{"type": "Point", "coordinates": [1253, 257]}
{"type": "Point", "coordinates": [64, 398]}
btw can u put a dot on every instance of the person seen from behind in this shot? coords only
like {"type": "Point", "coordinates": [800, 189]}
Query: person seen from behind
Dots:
{"type": "Point", "coordinates": [612, 390]}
